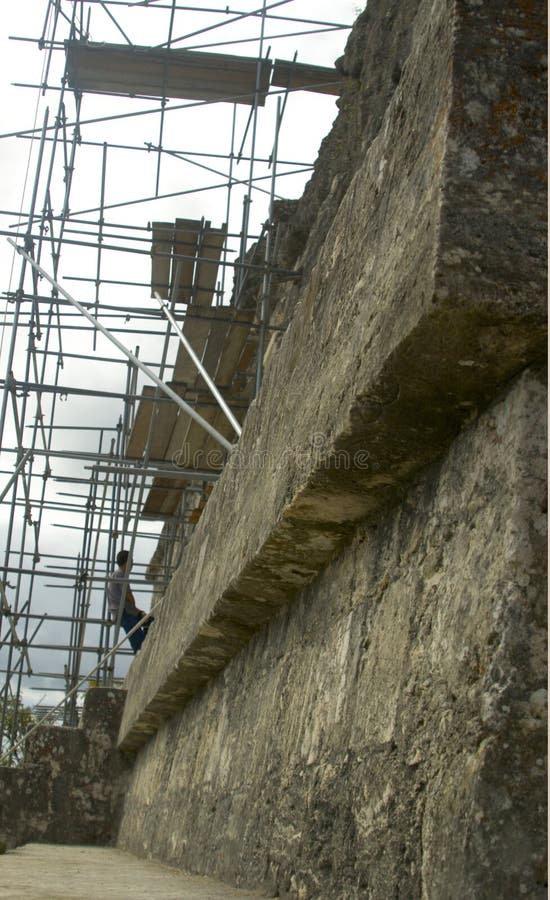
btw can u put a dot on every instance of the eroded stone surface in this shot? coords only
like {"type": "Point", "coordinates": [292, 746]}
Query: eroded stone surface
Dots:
{"type": "Point", "coordinates": [402, 333]}
{"type": "Point", "coordinates": [372, 65]}
{"type": "Point", "coordinates": [385, 735]}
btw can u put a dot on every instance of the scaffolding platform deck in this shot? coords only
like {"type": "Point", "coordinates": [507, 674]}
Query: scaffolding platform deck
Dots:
{"type": "Point", "coordinates": [221, 337]}
{"type": "Point", "coordinates": [158, 72]}
{"type": "Point", "coordinates": [189, 74]}
{"type": "Point", "coordinates": [185, 258]}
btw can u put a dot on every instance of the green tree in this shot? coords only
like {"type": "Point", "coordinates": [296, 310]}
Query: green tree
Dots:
{"type": "Point", "coordinates": [18, 719]}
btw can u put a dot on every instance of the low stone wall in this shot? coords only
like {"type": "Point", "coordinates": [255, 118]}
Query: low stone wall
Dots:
{"type": "Point", "coordinates": [70, 787]}
{"type": "Point", "coordinates": [385, 735]}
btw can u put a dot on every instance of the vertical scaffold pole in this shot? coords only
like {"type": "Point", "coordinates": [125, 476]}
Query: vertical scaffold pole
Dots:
{"type": "Point", "coordinates": [266, 282]}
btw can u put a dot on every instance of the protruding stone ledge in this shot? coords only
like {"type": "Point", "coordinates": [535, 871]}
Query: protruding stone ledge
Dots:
{"type": "Point", "coordinates": [407, 327]}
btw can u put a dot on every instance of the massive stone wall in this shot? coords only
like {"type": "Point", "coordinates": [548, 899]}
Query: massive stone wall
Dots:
{"type": "Point", "coordinates": [406, 326]}
{"type": "Point", "coordinates": [372, 65]}
{"type": "Point", "coordinates": [343, 693]}
{"type": "Point", "coordinates": [383, 737]}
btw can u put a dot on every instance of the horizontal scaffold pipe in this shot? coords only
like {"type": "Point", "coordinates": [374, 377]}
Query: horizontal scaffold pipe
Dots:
{"type": "Point", "coordinates": [64, 391]}
{"type": "Point", "coordinates": [124, 226]}
{"type": "Point", "coordinates": [67, 576]}
{"type": "Point", "coordinates": [116, 311]}
{"type": "Point", "coordinates": [255, 13]}
{"type": "Point", "coordinates": [145, 369]}
{"type": "Point", "coordinates": [50, 618]}
{"type": "Point", "coordinates": [148, 148]}
{"type": "Point", "coordinates": [115, 464]}
{"type": "Point", "coordinates": [139, 251]}
{"type": "Point", "coordinates": [97, 120]}
{"type": "Point", "coordinates": [159, 473]}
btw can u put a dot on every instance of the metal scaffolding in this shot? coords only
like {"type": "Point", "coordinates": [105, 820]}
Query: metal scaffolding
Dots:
{"type": "Point", "coordinates": [107, 443]}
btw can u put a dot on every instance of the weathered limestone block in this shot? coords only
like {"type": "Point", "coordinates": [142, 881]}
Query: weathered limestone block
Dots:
{"type": "Point", "coordinates": [384, 736]}
{"type": "Point", "coordinates": [53, 745]}
{"type": "Point", "coordinates": [24, 797]}
{"type": "Point", "coordinates": [408, 325]}
{"type": "Point", "coordinates": [101, 713]}
{"type": "Point", "coordinates": [70, 787]}
{"type": "Point", "coordinates": [377, 48]}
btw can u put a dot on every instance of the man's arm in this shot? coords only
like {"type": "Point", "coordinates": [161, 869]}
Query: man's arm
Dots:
{"type": "Point", "coordinates": [131, 600]}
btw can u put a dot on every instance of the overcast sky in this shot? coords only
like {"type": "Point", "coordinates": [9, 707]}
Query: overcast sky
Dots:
{"type": "Point", "coordinates": [130, 176]}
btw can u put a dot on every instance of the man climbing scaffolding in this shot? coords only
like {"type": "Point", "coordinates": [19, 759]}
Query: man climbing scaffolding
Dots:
{"type": "Point", "coordinates": [117, 588]}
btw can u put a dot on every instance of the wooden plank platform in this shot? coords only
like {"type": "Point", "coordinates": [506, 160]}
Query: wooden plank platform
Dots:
{"type": "Point", "coordinates": [165, 420]}
{"type": "Point", "coordinates": [187, 252]}
{"type": "Point", "coordinates": [196, 331]}
{"type": "Point", "coordinates": [303, 77]}
{"type": "Point", "coordinates": [209, 254]}
{"type": "Point", "coordinates": [159, 72]}
{"type": "Point", "coordinates": [221, 338]}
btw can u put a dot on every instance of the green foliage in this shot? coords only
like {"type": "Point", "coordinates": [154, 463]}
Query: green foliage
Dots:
{"type": "Point", "coordinates": [18, 719]}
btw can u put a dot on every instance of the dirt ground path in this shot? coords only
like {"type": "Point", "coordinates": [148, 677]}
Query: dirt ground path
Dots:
{"type": "Point", "coordinates": [40, 871]}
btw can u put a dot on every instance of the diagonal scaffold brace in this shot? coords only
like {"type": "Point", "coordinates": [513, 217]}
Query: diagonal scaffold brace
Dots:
{"type": "Point", "coordinates": [144, 368]}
